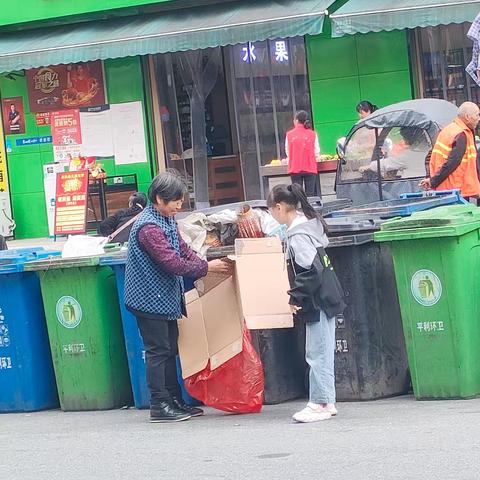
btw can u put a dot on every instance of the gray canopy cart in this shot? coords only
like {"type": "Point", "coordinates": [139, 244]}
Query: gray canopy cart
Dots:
{"type": "Point", "coordinates": [387, 153]}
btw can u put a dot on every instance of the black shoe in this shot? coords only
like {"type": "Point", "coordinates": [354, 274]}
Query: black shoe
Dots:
{"type": "Point", "coordinates": [167, 412]}
{"type": "Point", "coordinates": [192, 411]}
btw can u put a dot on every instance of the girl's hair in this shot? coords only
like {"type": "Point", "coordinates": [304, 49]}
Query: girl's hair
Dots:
{"type": "Point", "coordinates": [366, 106]}
{"type": "Point", "coordinates": [295, 197]}
{"type": "Point", "coordinates": [169, 186]}
{"type": "Point", "coordinates": [303, 118]}
{"type": "Point", "coordinates": [138, 198]}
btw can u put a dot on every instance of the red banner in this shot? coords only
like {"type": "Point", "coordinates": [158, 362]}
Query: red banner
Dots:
{"type": "Point", "coordinates": [66, 86]}
{"type": "Point", "coordinates": [71, 202]}
{"type": "Point", "coordinates": [42, 119]}
{"type": "Point", "coordinates": [66, 128]}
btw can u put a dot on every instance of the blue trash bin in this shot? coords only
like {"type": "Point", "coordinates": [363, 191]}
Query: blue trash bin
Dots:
{"type": "Point", "coordinates": [134, 342]}
{"type": "Point", "coordinates": [27, 379]}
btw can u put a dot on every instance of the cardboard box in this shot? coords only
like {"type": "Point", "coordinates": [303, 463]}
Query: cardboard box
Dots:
{"type": "Point", "coordinates": [217, 308]}
{"type": "Point", "coordinates": [262, 283]}
{"type": "Point", "coordinates": [214, 327]}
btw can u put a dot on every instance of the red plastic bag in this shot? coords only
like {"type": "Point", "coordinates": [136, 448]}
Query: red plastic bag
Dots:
{"type": "Point", "coordinates": [237, 386]}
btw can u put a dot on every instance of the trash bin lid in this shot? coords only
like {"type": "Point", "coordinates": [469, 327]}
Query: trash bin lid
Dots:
{"type": "Point", "coordinates": [334, 205]}
{"type": "Point", "coordinates": [350, 240]}
{"type": "Point", "coordinates": [59, 263]}
{"type": "Point", "coordinates": [17, 259]}
{"type": "Point", "coordinates": [11, 268]}
{"type": "Point", "coordinates": [20, 254]}
{"type": "Point", "coordinates": [119, 258]}
{"type": "Point", "coordinates": [454, 220]}
{"type": "Point", "coordinates": [360, 223]}
{"type": "Point", "coordinates": [400, 207]}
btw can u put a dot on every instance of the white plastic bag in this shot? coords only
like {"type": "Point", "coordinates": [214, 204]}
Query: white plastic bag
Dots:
{"type": "Point", "coordinates": [270, 227]}
{"type": "Point", "coordinates": [83, 246]}
{"type": "Point", "coordinates": [225, 217]}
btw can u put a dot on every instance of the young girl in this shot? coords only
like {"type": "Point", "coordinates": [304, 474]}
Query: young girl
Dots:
{"type": "Point", "coordinates": [316, 296]}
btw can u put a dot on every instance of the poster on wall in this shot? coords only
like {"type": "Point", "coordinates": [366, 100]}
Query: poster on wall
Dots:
{"type": "Point", "coordinates": [13, 115]}
{"type": "Point", "coordinates": [128, 132]}
{"type": "Point", "coordinates": [66, 135]}
{"type": "Point", "coordinates": [96, 123]}
{"type": "Point", "coordinates": [71, 202]}
{"type": "Point", "coordinates": [66, 86]}
{"type": "Point", "coordinates": [42, 119]}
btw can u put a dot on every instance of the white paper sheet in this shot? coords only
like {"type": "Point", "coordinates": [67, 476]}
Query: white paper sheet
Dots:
{"type": "Point", "coordinates": [128, 132]}
{"type": "Point", "coordinates": [97, 134]}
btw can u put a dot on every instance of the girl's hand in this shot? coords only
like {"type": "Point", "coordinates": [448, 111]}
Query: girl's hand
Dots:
{"type": "Point", "coordinates": [220, 266]}
{"type": "Point", "coordinates": [294, 309]}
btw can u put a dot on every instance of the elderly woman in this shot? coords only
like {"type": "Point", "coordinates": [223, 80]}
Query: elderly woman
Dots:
{"type": "Point", "coordinates": [158, 259]}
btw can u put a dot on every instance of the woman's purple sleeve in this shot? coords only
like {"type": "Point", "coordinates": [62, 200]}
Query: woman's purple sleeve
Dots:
{"type": "Point", "coordinates": [154, 242]}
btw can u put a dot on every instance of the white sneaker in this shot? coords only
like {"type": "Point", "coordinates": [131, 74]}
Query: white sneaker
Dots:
{"type": "Point", "coordinates": [332, 409]}
{"type": "Point", "coordinates": [312, 414]}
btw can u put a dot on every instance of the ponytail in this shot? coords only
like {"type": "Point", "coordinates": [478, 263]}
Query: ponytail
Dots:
{"type": "Point", "coordinates": [367, 107]}
{"type": "Point", "coordinates": [300, 196]}
{"type": "Point", "coordinates": [303, 118]}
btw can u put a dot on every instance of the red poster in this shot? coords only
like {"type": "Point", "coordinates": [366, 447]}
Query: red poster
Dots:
{"type": "Point", "coordinates": [42, 119]}
{"type": "Point", "coordinates": [66, 86]}
{"type": "Point", "coordinates": [13, 116]}
{"type": "Point", "coordinates": [66, 128]}
{"type": "Point", "coordinates": [71, 202]}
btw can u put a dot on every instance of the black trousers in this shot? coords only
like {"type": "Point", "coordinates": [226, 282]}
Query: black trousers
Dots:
{"type": "Point", "coordinates": [307, 181]}
{"type": "Point", "coordinates": [160, 339]}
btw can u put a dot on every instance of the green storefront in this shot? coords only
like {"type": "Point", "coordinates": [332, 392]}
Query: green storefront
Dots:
{"type": "Point", "coordinates": [260, 62]}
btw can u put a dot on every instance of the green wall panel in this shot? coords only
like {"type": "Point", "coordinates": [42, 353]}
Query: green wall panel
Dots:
{"type": "Point", "coordinates": [26, 174]}
{"type": "Point", "coordinates": [376, 86]}
{"type": "Point", "coordinates": [30, 215]}
{"type": "Point", "coordinates": [334, 108]}
{"type": "Point", "coordinates": [322, 50]}
{"type": "Point", "coordinates": [344, 71]}
{"type": "Point", "coordinates": [382, 52]}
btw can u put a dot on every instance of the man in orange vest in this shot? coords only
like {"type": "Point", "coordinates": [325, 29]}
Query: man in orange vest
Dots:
{"type": "Point", "coordinates": [453, 164]}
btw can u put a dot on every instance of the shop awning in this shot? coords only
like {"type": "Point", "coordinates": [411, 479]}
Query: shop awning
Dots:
{"type": "Point", "coordinates": [177, 30]}
{"type": "Point", "coordinates": [362, 16]}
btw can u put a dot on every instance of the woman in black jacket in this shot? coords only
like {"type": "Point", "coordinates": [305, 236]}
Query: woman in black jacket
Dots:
{"type": "Point", "coordinates": [136, 203]}
{"type": "Point", "coordinates": [316, 296]}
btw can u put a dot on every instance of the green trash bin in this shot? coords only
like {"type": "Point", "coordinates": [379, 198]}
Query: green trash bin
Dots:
{"type": "Point", "coordinates": [437, 263]}
{"type": "Point", "coordinates": [85, 332]}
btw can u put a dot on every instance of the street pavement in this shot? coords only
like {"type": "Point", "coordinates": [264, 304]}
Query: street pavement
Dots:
{"type": "Point", "coordinates": [397, 438]}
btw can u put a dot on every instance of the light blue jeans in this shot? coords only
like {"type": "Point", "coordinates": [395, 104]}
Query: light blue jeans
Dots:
{"type": "Point", "coordinates": [320, 356]}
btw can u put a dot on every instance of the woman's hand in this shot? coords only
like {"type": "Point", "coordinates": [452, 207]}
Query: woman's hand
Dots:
{"type": "Point", "coordinates": [294, 309]}
{"type": "Point", "coordinates": [220, 266]}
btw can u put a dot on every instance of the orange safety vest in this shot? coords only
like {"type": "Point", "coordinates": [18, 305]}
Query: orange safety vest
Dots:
{"type": "Point", "coordinates": [465, 177]}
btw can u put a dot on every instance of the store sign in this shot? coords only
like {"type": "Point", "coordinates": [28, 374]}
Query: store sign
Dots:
{"type": "Point", "coordinates": [24, 142]}
{"type": "Point", "coordinates": [66, 86]}
{"type": "Point", "coordinates": [71, 202]}
{"type": "Point", "coordinates": [248, 53]}
{"type": "Point", "coordinates": [281, 51]}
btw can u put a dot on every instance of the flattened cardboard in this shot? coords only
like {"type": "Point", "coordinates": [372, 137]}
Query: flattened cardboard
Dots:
{"type": "Point", "coordinates": [262, 283]}
{"type": "Point", "coordinates": [214, 327]}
